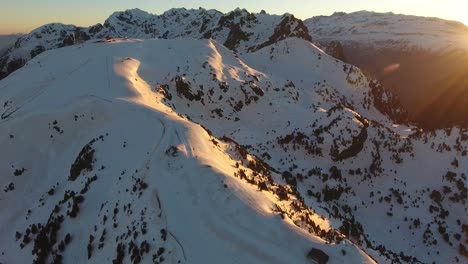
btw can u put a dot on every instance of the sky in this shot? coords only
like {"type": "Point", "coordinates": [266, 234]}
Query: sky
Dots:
{"type": "Point", "coordinates": [22, 16]}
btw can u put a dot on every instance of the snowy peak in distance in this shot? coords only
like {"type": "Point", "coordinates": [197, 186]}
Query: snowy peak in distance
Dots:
{"type": "Point", "coordinates": [238, 30]}
{"type": "Point", "coordinates": [423, 60]}
{"type": "Point", "coordinates": [135, 17]}
{"type": "Point", "coordinates": [389, 30]}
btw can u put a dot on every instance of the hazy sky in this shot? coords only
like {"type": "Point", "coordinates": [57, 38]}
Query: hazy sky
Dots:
{"type": "Point", "coordinates": [25, 15]}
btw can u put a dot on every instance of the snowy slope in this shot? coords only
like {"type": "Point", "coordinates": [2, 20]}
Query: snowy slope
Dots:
{"type": "Point", "coordinates": [288, 120]}
{"type": "Point", "coordinates": [313, 119]}
{"type": "Point", "coordinates": [238, 30]}
{"type": "Point", "coordinates": [99, 169]}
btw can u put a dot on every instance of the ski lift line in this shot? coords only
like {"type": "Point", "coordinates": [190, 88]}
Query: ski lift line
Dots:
{"type": "Point", "coordinates": [79, 67]}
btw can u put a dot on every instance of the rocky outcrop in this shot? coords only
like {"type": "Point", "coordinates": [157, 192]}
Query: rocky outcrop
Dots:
{"type": "Point", "coordinates": [234, 22]}
{"type": "Point", "coordinates": [318, 256]}
{"type": "Point", "coordinates": [37, 50]}
{"type": "Point", "coordinates": [288, 27]}
{"type": "Point", "coordinates": [335, 49]}
{"type": "Point", "coordinates": [235, 37]}
{"type": "Point", "coordinates": [388, 103]}
{"type": "Point", "coordinates": [76, 37]}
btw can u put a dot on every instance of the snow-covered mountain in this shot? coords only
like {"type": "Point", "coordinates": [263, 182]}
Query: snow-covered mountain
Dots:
{"type": "Point", "coordinates": [188, 150]}
{"type": "Point", "coordinates": [238, 30]}
{"type": "Point", "coordinates": [106, 160]}
{"type": "Point", "coordinates": [111, 172]}
{"type": "Point", "coordinates": [424, 60]}
{"type": "Point", "coordinates": [389, 30]}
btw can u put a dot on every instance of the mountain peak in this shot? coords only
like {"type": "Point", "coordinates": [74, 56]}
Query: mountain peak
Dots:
{"type": "Point", "coordinates": [240, 10]}
{"type": "Point", "coordinates": [130, 16]}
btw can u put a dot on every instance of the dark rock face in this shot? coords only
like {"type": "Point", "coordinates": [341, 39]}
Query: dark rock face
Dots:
{"type": "Point", "coordinates": [183, 88]}
{"type": "Point", "coordinates": [3, 63]}
{"type": "Point", "coordinates": [355, 148]}
{"type": "Point", "coordinates": [84, 162]}
{"type": "Point", "coordinates": [284, 30]}
{"type": "Point", "coordinates": [388, 103]}
{"type": "Point", "coordinates": [15, 64]}
{"type": "Point", "coordinates": [126, 17]}
{"type": "Point", "coordinates": [227, 20]}
{"type": "Point", "coordinates": [236, 34]}
{"type": "Point", "coordinates": [318, 256]}
{"type": "Point", "coordinates": [37, 50]}
{"type": "Point", "coordinates": [95, 29]}
{"type": "Point", "coordinates": [335, 49]}
{"type": "Point", "coordinates": [78, 36]}
{"type": "Point", "coordinates": [235, 37]}
{"type": "Point", "coordinates": [68, 41]}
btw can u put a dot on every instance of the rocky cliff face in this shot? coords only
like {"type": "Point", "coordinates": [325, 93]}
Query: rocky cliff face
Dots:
{"type": "Point", "coordinates": [335, 49]}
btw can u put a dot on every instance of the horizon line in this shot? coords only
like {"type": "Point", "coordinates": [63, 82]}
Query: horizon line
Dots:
{"type": "Point", "coordinates": [238, 8]}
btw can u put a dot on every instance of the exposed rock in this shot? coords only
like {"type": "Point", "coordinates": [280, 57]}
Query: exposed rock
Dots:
{"type": "Point", "coordinates": [84, 162]}
{"type": "Point", "coordinates": [318, 256]}
{"type": "Point", "coordinates": [37, 50]}
{"type": "Point", "coordinates": [335, 49]}
{"type": "Point", "coordinates": [388, 103]}
{"type": "Point", "coordinates": [78, 36]}
{"type": "Point", "coordinates": [236, 35]}
{"type": "Point", "coordinates": [288, 27]}
{"type": "Point", "coordinates": [15, 64]}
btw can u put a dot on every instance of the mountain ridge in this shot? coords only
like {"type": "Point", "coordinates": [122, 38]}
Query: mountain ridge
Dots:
{"type": "Point", "coordinates": [233, 29]}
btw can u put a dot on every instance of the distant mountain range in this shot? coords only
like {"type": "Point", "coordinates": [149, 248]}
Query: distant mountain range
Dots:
{"type": "Point", "coordinates": [6, 41]}
{"type": "Point", "coordinates": [424, 60]}
{"type": "Point", "coordinates": [238, 30]}
{"type": "Point", "coordinates": [197, 136]}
